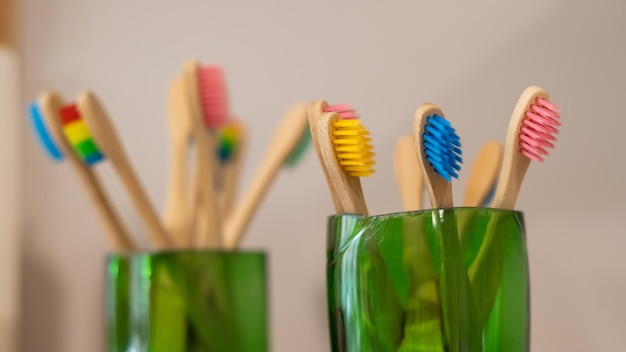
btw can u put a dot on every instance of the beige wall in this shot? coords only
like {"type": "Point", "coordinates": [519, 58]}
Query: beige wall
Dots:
{"type": "Point", "coordinates": [471, 58]}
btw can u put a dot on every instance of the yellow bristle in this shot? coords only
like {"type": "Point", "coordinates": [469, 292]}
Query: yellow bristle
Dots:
{"type": "Point", "coordinates": [353, 148]}
{"type": "Point", "coordinates": [76, 132]}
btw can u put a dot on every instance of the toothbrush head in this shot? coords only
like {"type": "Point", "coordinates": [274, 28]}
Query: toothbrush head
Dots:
{"type": "Point", "coordinates": [79, 136]}
{"type": "Point", "coordinates": [229, 141]}
{"type": "Point", "coordinates": [213, 96]}
{"type": "Point", "coordinates": [539, 129]}
{"type": "Point", "coordinates": [438, 151]}
{"type": "Point", "coordinates": [43, 133]}
{"type": "Point", "coordinates": [442, 147]}
{"type": "Point", "coordinates": [352, 143]}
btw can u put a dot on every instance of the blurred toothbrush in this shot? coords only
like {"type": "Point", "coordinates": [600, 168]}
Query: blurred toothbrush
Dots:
{"type": "Point", "coordinates": [286, 147]}
{"type": "Point", "coordinates": [408, 174]}
{"type": "Point", "coordinates": [345, 153]}
{"type": "Point", "coordinates": [483, 175]}
{"type": "Point", "coordinates": [69, 140]}
{"type": "Point", "coordinates": [207, 100]}
{"type": "Point", "coordinates": [177, 219]}
{"type": "Point", "coordinates": [100, 128]}
{"type": "Point", "coordinates": [230, 147]}
{"type": "Point", "coordinates": [532, 129]}
{"type": "Point", "coordinates": [479, 192]}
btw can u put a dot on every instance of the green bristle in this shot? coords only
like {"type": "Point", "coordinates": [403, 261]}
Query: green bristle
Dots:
{"type": "Point", "coordinates": [300, 149]}
{"type": "Point", "coordinates": [86, 148]}
{"type": "Point", "coordinates": [228, 141]}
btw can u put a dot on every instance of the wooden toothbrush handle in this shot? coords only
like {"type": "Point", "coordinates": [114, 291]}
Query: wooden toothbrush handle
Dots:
{"type": "Point", "coordinates": [177, 218]}
{"type": "Point", "coordinates": [116, 233]}
{"type": "Point", "coordinates": [206, 222]}
{"type": "Point", "coordinates": [141, 202]}
{"type": "Point", "coordinates": [238, 221]}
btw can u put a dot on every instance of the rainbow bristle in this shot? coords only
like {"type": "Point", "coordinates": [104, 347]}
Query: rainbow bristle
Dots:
{"type": "Point", "coordinates": [228, 143]}
{"type": "Point", "coordinates": [79, 136]}
{"type": "Point", "coordinates": [213, 96]}
{"type": "Point", "coordinates": [43, 134]}
{"type": "Point", "coordinates": [442, 147]}
{"type": "Point", "coordinates": [539, 129]}
{"type": "Point", "coordinates": [353, 147]}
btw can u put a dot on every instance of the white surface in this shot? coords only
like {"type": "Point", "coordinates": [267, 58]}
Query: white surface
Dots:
{"type": "Point", "coordinates": [471, 58]}
{"type": "Point", "coordinates": [9, 198]}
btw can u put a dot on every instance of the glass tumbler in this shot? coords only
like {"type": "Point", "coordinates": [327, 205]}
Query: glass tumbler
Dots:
{"type": "Point", "coordinates": [434, 280]}
{"type": "Point", "coordinates": [187, 301]}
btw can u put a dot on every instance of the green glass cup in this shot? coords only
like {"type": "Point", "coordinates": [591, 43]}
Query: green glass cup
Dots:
{"type": "Point", "coordinates": [187, 301]}
{"type": "Point", "coordinates": [434, 280]}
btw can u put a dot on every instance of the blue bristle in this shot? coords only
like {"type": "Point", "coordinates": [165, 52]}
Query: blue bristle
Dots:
{"type": "Point", "coordinates": [93, 159]}
{"type": "Point", "coordinates": [442, 147]}
{"type": "Point", "coordinates": [42, 132]}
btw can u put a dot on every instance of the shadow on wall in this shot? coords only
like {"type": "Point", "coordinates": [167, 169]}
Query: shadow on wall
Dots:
{"type": "Point", "coordinates": [41, 298]}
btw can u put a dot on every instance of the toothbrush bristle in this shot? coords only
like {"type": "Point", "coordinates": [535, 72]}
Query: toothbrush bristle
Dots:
{"type": "Point", "coordinates": [228, 142]}
{"type": "Point", "coordinates": [539, 129]}
{"type": "Point", "coordinates": [78, 135]}
{"type": "Point", "coordinates": [345, 111]}
{"type": "Point", "coordinates": [353, 146]}
{"type": "Point", "coordinates": [43, 133]}
{"type": "Point", "coordinates": [442, 147]}
{"type": "Point", "coordinates": [213, 96]}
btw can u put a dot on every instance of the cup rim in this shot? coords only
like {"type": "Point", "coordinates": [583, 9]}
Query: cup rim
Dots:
{"type": "Point", "coordinates": [178, 251]}
{"type": "Point", "coordinates": [423, 211]}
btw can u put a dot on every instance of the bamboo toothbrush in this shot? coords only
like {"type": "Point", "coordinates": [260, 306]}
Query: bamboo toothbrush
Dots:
{"type": "Point", "coordinates": [479, 192]}
{"type": "Point", "coordinates": [345, 153]}
{"type": "Point", "coordinates": [206, 221]}
{"type": "Point", "coordinates": [178, 206]}
{"type": "Point", "coordinates": [408, 174]}
{"type": "Point", "coordinates": [47, 124]}
{"type": "Point", "coordinates": [231, 147]}
{"type": "Point", "coordinates": [532, 129]}
{"type": "Point", "coordinates": [103, 132]}
{"type": "Point", "coordinates": [438, 154]}
{"type": "Point", "coordinates": [437, 147]}
{"type": "Point", "coordinates": [286, 146]}
{"type": "Point", "coordinates": [483, 174]}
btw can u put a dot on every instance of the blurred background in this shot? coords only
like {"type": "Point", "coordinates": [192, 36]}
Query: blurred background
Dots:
{"type": "Point", "coordinates": [471, 58]}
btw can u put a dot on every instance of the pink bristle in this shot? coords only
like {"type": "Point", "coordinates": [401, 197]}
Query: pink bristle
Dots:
{"type": "Point", "coordinates": [213, 96]}
{"type": "Point", "coordinates": [538, 129]}
{"type": "Point", "coordinates": [345, 111]}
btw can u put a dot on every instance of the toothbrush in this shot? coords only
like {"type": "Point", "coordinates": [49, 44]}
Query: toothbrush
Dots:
{"type": "Point", "coordinates": [532, 128]}
{"type": "Point", "coordinates": [483, 175]}
{"type": "Point", "coordinates": [205, 94]}
{"type": "Point", "coordinates": [106, 141]}
{"type": "Point", "coordinates": [345, 153]}
{"type": "Point", "coordinates": [177, 217]}
{"type": "Point", "coordinates": [46, 122]}
{"type": "Point", "coordinates": [286, 147]}
{"type": "Point", "coordinates": [437, 147]}
{"type": "Point", "coordinates": [479, 192]}
{"type": "Point", "coordinates": [408, 174]}
{"type": "Point", "coordinates": [231, 145]}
